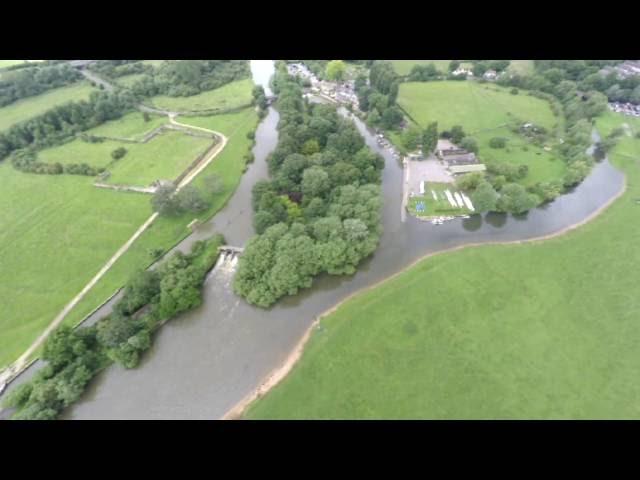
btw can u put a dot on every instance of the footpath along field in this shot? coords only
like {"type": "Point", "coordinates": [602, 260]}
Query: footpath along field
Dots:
{"type": "Point", "coordinates": [543, 330]}
{"type": "Point", "coordinates": [56, 231]}
{"type": "Point", "coordinates": [166, 232]}
{"type": "Point", "coordinates": [63, 229]}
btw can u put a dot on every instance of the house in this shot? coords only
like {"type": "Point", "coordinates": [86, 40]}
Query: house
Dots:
{"type": "Point", "coordinates": [490, 75]}
{"type": "Point", "coordinates": [459, 169]}
{"type": "Point", "coordinates": [447, 152]}
{"type": "Point", "coordinates": [462, 71]}
{"type": "Point", "coordinates": [466, 158]}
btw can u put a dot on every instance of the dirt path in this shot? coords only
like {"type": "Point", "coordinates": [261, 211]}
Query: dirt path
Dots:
{"type": "Point", "coordinates": [275, 376]}
{"type": "Point", "coordinates": [17, 366]}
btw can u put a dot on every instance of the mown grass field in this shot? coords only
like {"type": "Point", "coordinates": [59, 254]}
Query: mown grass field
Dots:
{"type": "Point", "coordinates": [33, 106]}
{"type": "Point", "coordinates": [129, 80]}
{"type": "Point", "coordinates": [543, 165]}
{"type": "Point", "coordinates": [58, 217]}
{"type": "Point", "coordinates": [521, 67]}
{"type": "Point", "coordinates": [131, 126]}
{"type": "Point", "coordinates": [546, 330]}
{"type": "Point", "coordinates": [153, 63]}
{"type": "Point", "coordinates": [166, 232]}
{"type": "Point", "coordinates": [164, 157]}
{"type": "Point", "coordinates": [473, 105]}
{"type": "Point", "coordinates": [232, 95]}
{"type": "Point", "coordinates": [56, 231]}
{"type": "Point", "coordinates": [403, 67]}
{"type": "Point", "coordinates": [483, 111]}
{"type": "Point", "coordinates": [11, 63]}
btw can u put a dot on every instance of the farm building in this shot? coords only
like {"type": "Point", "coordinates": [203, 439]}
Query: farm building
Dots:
{"type": "Point", "coordinates": [459, 169]}
{"type": "Point", "coordinates": [467, 158]}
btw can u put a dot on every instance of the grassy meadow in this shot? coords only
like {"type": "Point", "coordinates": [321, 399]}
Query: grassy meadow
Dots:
{"type": "Point", "coordinates": [56, 232]}
{"type": "Point", "coordinates": [166, 232]}
{"type": "Point", "coordinates": [232, 95]}
{"type": "Point", "coordinates": [484, 111]}
{"type": "Point", "coordinates": [30, 107]}
{"type": "Point", "coordinates": [545, 330]}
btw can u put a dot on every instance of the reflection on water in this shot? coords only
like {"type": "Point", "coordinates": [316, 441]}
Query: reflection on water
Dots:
{"type": "Point", "coordinates": [473, 223]}
{"type": "Point", "coordinates": [496, 220]}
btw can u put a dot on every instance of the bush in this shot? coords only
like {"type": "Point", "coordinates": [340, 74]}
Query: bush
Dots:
{"type": "Point", "coordinates": [498, 142]}
{"type": "Point", "coordinates": [514, 91]}
{"type": "Point", "coordinates": [118, 153]}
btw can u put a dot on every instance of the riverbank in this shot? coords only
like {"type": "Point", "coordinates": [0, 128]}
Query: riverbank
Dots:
{"type": "Point", "coordinates": [281, 372]}
{"type": "Point", "coordinates": [233, 347]}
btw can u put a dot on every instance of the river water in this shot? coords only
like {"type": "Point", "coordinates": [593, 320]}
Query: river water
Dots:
{"type": "Point", "coordinates": [207, 360]}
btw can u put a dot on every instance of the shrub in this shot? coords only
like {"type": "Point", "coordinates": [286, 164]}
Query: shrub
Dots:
{"type": "Point", "coordinates": [497, 142]}
{"type": "Point", "coordinates": [118, 153]}
{"type": "Point", "coordinates": [514, 91]}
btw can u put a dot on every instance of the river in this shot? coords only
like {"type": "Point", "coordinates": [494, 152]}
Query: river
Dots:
{"type": "Point", "coordinates": [207, 360]}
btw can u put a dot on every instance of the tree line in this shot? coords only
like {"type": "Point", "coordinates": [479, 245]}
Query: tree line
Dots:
{"type": "Point", "coordinates": [34, 80]}
{"type": "Point", "coordinates": [183, 78]}
{"type": "Point", "coordinates": [377, 96]}
{"type": "Point", "coordinates": [112, 69]}
{"type": "Point", "coordinates": [64, 121]}
{"type": "Point", "coordinates": [75, 356]}
{"type": "Point", "coordinates": [320, 211]}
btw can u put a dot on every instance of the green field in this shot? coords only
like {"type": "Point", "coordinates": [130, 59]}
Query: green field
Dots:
{"type": "Point", "coordinates": [433, 207]}
{"type": "Point", "coordinates": [47, 280]}
{"type": "Point", "coordinates": [232, 95]}
{"type": "Point", "coordinates": [403, 67]}
{"type": "Point", "coordinates": [474, 106]}
{"type": "Point", "coordinates": [484, 111]}
{"type": "Point", "coordinates": [57, 233]}
{"type": "Point", "coordinates": [521, 67]}
{"type": "Point", "coordinates": [165, 157]}
{"type": "Point", "coordinates": [33, 106]}
{"type": "Point", "coordinates": [129, 80]}
{"type": "Point", "coordinates": [166, 232]}
{"type": "Point", "coordinates": [131, 126]}
{"type": "Point", "coordinates": [543, 165]}
{"type": "Point", "coordinates": [11, 63]}
{"type": "Point", "coordinates": [153, 63]}
{"type": "Point", "coordinates": [546, 330]}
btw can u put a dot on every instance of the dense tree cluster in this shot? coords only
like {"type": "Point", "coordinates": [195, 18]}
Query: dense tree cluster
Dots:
{"type": "Point", "coordinates": [168, 203]}
{"type": "Point", "coordinates": [75, 356]}
{"type": "Point", "coordinates": [336, 70]}
{"type": "Point", "coordinates": [183, 78]}
{"type": "Point", "coordinates": [480, 67]}
{"type": "Point", "coordinates": [119, 68]}
{"type": "Point", "coordinates": [424, 73]}
{"type": "Point", "coordinates": [63, 121]}
{"type": "Point", "coordinates": [320, 212]}
{"type": "Point", "coordinates": [34, 80]}
{"type": "Point", "coordinates": [259, 97]}
{"type": "Point", "coordinates": [378, 96]}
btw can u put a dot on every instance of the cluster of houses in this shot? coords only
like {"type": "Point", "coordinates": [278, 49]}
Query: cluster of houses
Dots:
{"type": "Point", "coordinates": [626, 69]}
{"type": "Point", "coordinates": [489, 75]}
{"type": "Point", "coordinates": [342, 92]}
{"type": "Point", "coordinates": [625, 108]}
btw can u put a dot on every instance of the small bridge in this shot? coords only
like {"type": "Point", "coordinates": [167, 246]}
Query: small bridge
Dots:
{"type": "Point", "coordinates": [230, 249]}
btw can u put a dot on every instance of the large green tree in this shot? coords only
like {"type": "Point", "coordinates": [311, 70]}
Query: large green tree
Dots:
{"type": "Point", "coordinates": [336, 70]}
